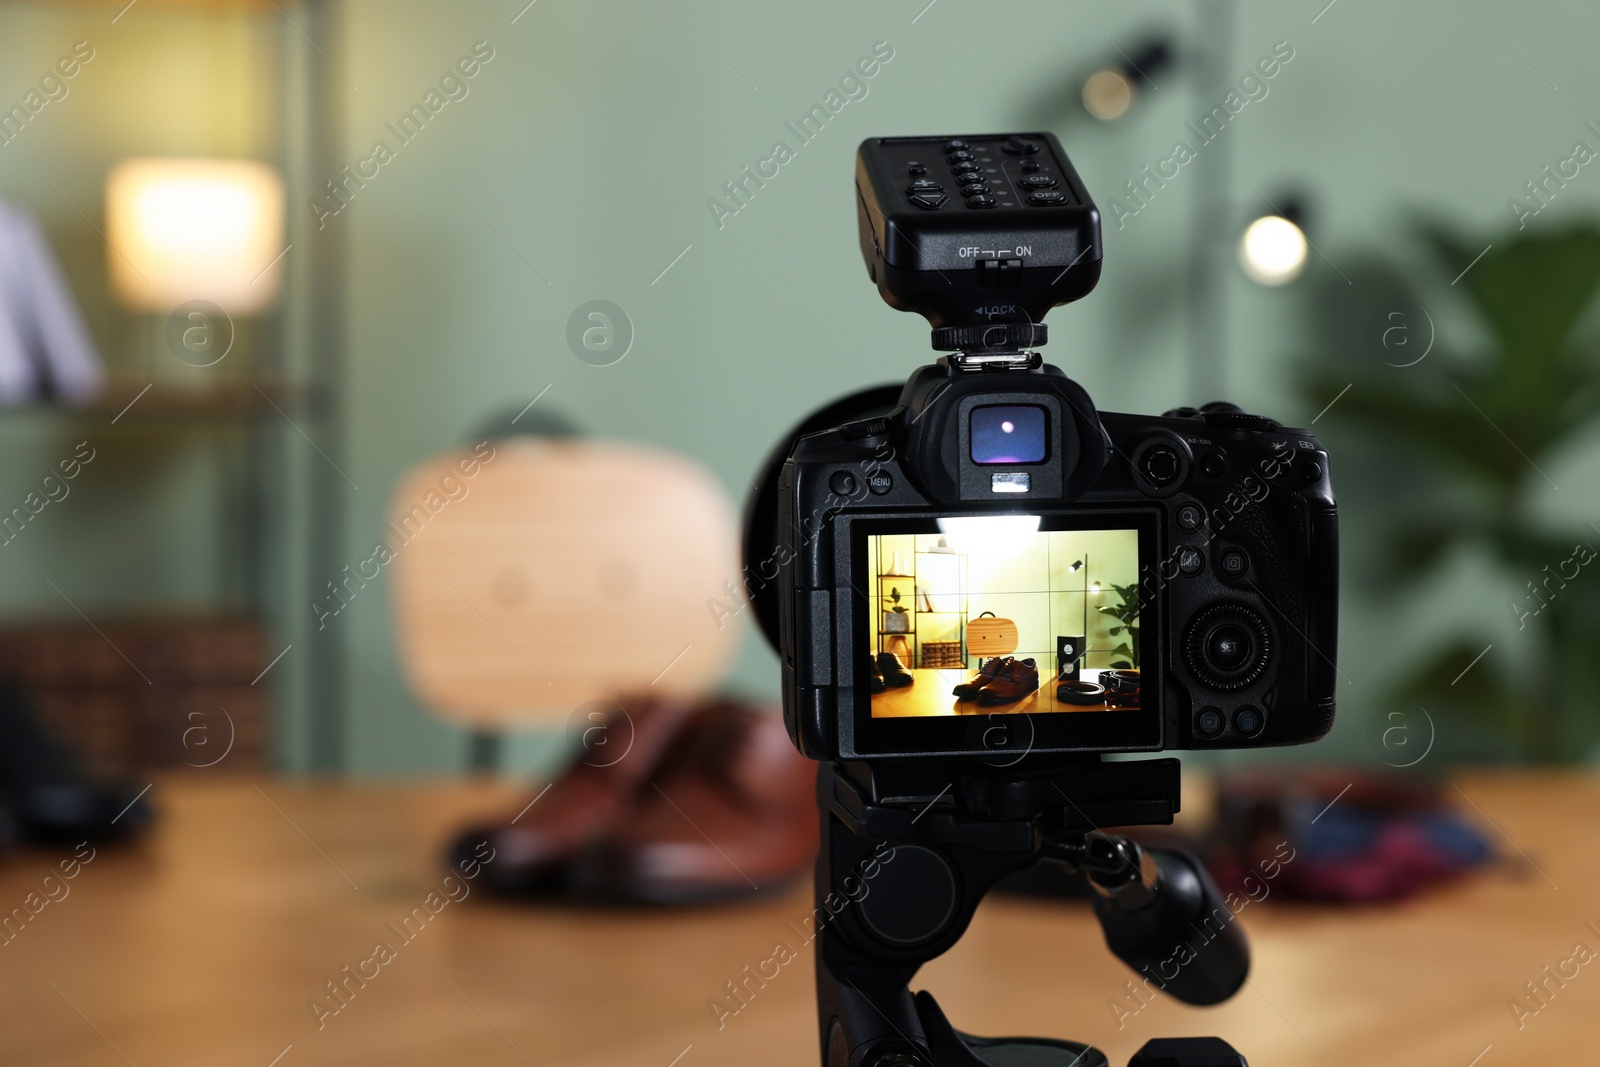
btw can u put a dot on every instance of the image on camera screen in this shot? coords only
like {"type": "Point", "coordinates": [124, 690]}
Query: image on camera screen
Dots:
{"type": "Point", "coordinates": [986, 614]}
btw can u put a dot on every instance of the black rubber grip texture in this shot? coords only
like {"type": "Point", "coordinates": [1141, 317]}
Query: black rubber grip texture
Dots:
{"type": "Point", "coordinates": [991, 337]}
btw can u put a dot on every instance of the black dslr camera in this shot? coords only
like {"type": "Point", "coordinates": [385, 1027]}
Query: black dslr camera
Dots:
{"type": "Point", "coordinates": [1198, 549]}
{"type": "Point", "coordinates": [978, 584]}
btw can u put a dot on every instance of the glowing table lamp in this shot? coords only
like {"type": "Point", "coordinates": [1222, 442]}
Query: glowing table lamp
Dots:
{"type": "Point", "coordinates": [195, 229]}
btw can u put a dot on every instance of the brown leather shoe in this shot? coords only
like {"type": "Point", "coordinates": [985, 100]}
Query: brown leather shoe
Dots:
{"type": "Point", "coordinates": [1016, 680]}
{"type": "Point", "coordinates": [732, 813]}
{"type": "Point", "coordinates": [988, 671]}
{"type": "Point", "coordinates": [527, 852]}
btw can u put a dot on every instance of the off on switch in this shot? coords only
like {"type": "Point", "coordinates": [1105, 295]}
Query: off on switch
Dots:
{"type": "Point", "coordinates": [999, 272]}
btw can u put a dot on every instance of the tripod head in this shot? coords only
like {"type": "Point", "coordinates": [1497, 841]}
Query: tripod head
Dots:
{"type": "Point", "coordinates": [951, 832]}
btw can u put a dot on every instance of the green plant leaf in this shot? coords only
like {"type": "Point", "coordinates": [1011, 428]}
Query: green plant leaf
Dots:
{"type": "Point", "coordinates": [1487, 425]}
{"type": "Point", "coordinates": [1530, 290]}
{"type": "Point", "coordinates": [1489, 700]}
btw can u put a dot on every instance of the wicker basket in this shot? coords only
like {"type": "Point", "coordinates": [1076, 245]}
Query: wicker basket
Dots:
{"type": "Point", "coordinates": [941, 654]}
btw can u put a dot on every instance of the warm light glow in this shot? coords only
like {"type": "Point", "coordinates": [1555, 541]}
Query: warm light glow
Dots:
{"type": "Point", "coordinates": [1107, 94]}
{"type": "Point", "coordinates": [195, 229]}
{"type": "Point", "coordinates": [1273, 250]}
{"type": "Point", "coordinates": [992, 537]}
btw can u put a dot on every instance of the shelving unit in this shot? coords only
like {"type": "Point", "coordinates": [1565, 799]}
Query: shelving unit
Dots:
{"type": "Point", "coordinates": [935, 598]}
{"type": "Point", "coordinates": [139, 399]}
{"type": "Point", "coordinates": [230, 479]}
{"type": "Point", "coordinates": [128, 687]}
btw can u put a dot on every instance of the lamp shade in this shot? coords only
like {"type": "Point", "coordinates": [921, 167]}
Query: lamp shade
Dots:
{"type": "Point", "coordinates": [195, 229]}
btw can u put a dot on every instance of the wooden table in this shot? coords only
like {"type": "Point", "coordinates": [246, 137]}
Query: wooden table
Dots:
{"type": "Point", "coordinates": [206, 945]}
{"type": "Point", "coordinates": [930, 694]}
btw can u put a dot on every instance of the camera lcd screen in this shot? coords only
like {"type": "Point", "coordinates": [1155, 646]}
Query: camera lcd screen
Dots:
{"type": "Point", "coordinates": [979, 615]}
{"type": "Point", "coordinates": [1008, 433]}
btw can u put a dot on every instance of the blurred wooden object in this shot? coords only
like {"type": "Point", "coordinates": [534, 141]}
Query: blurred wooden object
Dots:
{"type": "Point", "coordinates": [140, 695]}
{"type": "Point", "coordinates": [557, 572]}
{"type": "Point", "coordinates": [208, 945]}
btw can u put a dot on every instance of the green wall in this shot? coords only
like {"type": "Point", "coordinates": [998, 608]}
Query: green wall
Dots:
{"type": "Point", "coordinates": [579, 166]}
{"type": "Point", "coordinates": [595, 137]}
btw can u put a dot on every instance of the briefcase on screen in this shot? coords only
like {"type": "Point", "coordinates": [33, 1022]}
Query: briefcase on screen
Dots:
{"type": "Point", "coordinates": [989, 635]}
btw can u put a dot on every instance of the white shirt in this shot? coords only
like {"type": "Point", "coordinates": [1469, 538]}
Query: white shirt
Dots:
{"type": "Point", "coordinates": [44, 345]}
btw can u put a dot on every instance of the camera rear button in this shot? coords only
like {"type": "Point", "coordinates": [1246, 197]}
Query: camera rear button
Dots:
{"type": "Point", "coordinates": [843, 483]}
{"type": "Point", "coordinates": [1247, 721]}
{"type": "Point", "coordinates": [1190, 561]}
{"type": "Point", "coordinates": [1162, 466]}
{"type": "Point", "coordinates": [1190, 518]}
{"type": "Point", "coordinates": [1213, 464]}
{"type": "Point", "coordinates": [879, 482]}
{"type": "Point", "coordinates": [1209, 722]}
{"type": "Point", "coordinates": [1228, 647]}
{"type": "Point", "coordinates": [1233, 562]}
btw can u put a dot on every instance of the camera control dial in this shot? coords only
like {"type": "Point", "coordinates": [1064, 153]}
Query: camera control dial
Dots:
{"type": "Point", "coordinates": [1228, 646]}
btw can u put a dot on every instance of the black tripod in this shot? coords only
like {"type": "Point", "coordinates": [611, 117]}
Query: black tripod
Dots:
{"type": "Point", "coordinates": [908, 851]}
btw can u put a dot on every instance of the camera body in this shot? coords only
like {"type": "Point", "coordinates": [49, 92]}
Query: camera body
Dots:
{"type": "Point", "coordinates": [1235, 533]}
{"type": "Point", "coordinates": [1079, 582]}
